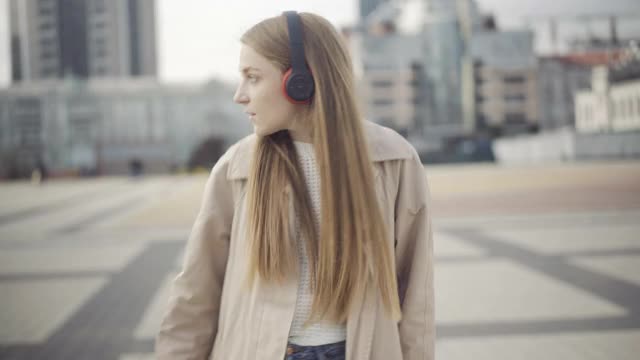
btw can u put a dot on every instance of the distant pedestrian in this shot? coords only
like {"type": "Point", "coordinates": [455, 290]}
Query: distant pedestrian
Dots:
{"type": "Point", "coordinates": [314, 239]}
{"type": "Point", "coordinates": [39, 173]}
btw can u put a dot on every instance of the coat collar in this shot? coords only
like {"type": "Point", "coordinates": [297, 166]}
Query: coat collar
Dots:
{"type": "Point", "coordinates": [384, 144]}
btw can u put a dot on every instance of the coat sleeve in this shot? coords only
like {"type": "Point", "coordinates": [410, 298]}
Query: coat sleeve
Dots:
{"type": "Point", "coordinates": [190, 323]}
{"type": "Point", "coordinates": [414, 259]}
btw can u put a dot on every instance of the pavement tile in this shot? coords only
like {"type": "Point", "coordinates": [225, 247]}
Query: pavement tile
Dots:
{"type": "Point", "coordinates": [503, 291]}
{"type": "Point", "coordinates": [30, 311]}
{"type": "Point", "coordinates": [150, 323]}
{"type": "Point", "coordinates": [623, 267]}
{"type": "Point", "coordinates": [554, 241]}
{"type": "Point", "coordinates": [67, 259]}
{"type": "Point", "coordinates": [604, 345]}
{"type": "Point", "coordinates": [447, 245]}
{"type": "Point", "coordinates": [509, 284]}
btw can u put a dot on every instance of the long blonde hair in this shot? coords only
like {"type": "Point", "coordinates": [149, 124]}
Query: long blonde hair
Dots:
{"type": "Point", "coordinates": [351, 247]}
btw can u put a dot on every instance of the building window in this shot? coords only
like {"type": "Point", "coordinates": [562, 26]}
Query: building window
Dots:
{"type": "Point", "coordinates": [382, 83]}
{"type": "Point", "coordinates": [515, 118]}
{"type": "Point", "coordinates": [613, 110]}
{"type": "Point", "coordinates": [45, 11]}
{"type": "Point", "coordinates": [514, 79]}
{"type": "Point", "coordinates": [48, 54]}
{"type": "Point", "coordinates": [98, 6]}
{"type": "Point", "coordinates": [27, 103]}
{"type": "Point", "coordinates": [48, 44]}
{"type": "Point", "coordinates": [48, 72]}
{"type": "Point", "coordinates": [46, 25]}
{"type": "Point", "coordinates": [46, 5]}
{"type": "Point", "coordinates": [100, 51]}
{"type": "Point", "coordinates": [515, 97]}
{"type": "Point", "coordinates": [381, 102]}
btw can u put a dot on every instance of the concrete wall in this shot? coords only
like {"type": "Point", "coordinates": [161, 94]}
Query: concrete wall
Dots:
{"type": "Point", "coordinates": [566, 145]}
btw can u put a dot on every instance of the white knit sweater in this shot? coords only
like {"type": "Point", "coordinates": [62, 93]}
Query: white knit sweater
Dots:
{"type": "Point", "coordinates": [323, 332]}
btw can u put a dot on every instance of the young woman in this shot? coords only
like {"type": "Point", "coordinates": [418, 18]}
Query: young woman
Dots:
{"type": "Point", "coordinates": [313, 240]}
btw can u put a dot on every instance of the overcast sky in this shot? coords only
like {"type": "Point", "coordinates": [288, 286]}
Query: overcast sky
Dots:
{"type": "Point", "coordinates": [198, 39]}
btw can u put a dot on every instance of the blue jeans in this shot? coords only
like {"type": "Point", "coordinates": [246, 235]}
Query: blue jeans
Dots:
{"type": "Point", "coordinates": [335, 351]}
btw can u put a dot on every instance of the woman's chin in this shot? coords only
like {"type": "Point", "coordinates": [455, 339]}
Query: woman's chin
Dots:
{"type": "Point", "coordinates": [262, 132]}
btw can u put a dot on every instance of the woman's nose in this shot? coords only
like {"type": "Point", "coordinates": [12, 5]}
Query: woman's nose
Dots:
{"type": "Point", "coordinates": [240, 98]}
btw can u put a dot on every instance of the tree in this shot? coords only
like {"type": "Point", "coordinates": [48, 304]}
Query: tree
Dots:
{"type": "Point", "coordinates": [207, 153]}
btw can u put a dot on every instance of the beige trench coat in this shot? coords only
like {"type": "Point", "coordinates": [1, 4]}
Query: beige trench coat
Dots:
{"type": "Point", "coordinates": [212, 315]}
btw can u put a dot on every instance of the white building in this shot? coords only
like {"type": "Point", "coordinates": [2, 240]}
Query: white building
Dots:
{"type": "Point", "coordinates": [559, 78]}
{"type": "Point", "coordinates": [102, 125]}
{"type": "Point", "coordinates": [613, 103]}
{"type": "Point", "coordinates": [607, 124]}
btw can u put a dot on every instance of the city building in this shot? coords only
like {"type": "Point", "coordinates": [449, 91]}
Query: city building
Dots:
{"type": "Point", "coordinates": [443, 52]}
{"type": "Point", "coordinates": [366, 7]}
{"type": "Point", "coordinates": [390, 85]}
{"type": "Point", "coordinates": [613, 103]}
{"type": "Point", "coordinates": [607, 123]}
{"type": "Point", "coordinates": [500, 84]}
{"type": "Point", "coordinates": [387, 49]}
{"type": "Point", "coordinates": [408, 59]}
{"type": "Point", "coordinates": [83, 38]}
{"type": "Point", "coordinates": [559, 78]}
{"type": "Point", "coordinates": [102, 125]}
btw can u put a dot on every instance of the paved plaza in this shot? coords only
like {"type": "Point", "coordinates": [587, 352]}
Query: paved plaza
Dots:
{"type": "Point", "coordinates": [535, 262]}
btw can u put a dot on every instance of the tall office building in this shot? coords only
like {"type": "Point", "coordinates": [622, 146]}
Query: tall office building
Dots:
{"type": "Point", "coordinates": [501, 83]}
{"type": "Point", "coordinates": [444, 49]}
{"type": "Point", "coordinates": [368, 6]}
{"type": "Point", "coordinates": [82, 38]}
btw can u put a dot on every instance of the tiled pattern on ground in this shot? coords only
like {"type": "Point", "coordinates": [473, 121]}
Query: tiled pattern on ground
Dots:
{"type": "Point", "coordinates": [88, 279]}
{"type": "Point", "coordinates": [34, 309]}
{"type": "Point", "coordinates": [619, 345]}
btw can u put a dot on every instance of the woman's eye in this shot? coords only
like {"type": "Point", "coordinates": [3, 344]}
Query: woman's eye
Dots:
{"type": "Point", "coordinates": [252, 78]}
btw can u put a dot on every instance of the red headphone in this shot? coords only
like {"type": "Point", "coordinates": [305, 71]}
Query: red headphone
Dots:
{"type": "Point", "coordinates": [297, 84]}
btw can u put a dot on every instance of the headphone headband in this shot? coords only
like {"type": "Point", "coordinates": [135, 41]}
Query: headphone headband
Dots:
{"type": "Point", "coordinates": [296, 45]}
{"type": "Point", "coordinates": [297, 85]}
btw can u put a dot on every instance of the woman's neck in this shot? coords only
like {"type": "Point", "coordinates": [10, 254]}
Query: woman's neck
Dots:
{"type": "Point", "coordinates": [300, 135]}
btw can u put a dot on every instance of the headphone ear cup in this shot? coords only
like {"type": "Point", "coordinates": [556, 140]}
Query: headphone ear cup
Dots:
{"type": "Point", "coordinates": [298, 88]}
